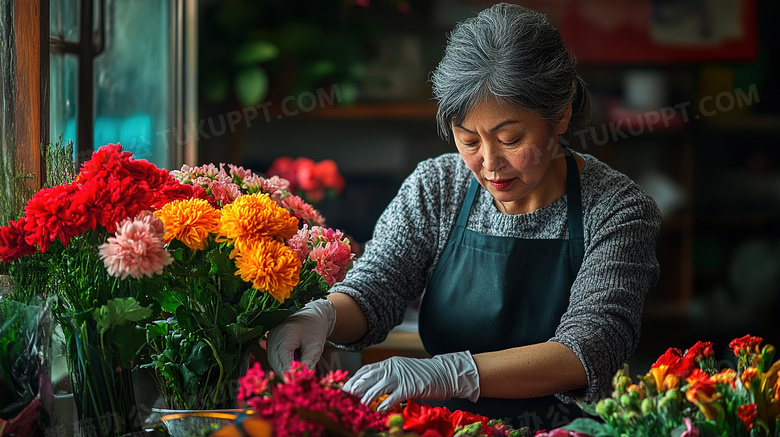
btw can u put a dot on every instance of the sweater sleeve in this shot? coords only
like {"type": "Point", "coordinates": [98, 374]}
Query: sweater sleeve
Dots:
{"type": "Point", "coordinates": [602, 322]}
{"type": "Point", "coordinates": [392, 271]}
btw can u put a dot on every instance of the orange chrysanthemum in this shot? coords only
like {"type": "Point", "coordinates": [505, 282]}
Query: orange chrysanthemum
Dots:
{"type": "Point", "coordinates": [189, 221]}
{"type": "Point", "coordinates": [270, 266]}
{"type": "Point", "coordinates": [255, 217]}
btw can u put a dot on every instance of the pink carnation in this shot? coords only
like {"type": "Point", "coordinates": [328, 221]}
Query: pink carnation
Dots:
{"type": "Point", "coordinates": [137, 249]}
{"type": "Point", "coordinates": [299, 243]}
{"type": "Point", "coordinates": [225, 192]}
{"type": "Point", "coordinates": [320, 234]}
{"type": "Point", "coordinates": [333, 260]}
{"type": "Point", "coordinates": [303, 210]}
{"type": "Point", "coordinates": [275, 186]}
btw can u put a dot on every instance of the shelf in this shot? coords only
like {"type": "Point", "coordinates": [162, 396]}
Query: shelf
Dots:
{"type": "Point", "coordinates": [755, 124]}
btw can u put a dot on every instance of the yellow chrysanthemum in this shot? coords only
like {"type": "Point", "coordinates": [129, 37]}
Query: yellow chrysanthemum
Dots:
{"type": "Point", "coordinates": [189, 221]}
{"type": "Point", "coordinates": [270, 266]}
{"type": "Point", "coordinates": [254, 217]}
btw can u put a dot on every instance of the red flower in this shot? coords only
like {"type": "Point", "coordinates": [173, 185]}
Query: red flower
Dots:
{"type": "Point", "coordinates": [309, 177]}
{"type": "Point", "coordinates": [328, 174]}
{"type": "Point", "coordinates": [702, 349]}
{"type": "Point", "coordinates": [107, 159]}
{"type": "Point", "coordinates": [421, 417]}
{"type": "Point", "coordinates": [463, 418]}
{"type": "Point", "coordinates": [671, 362]}
{"type": "Point", "coordinates": [747, 344]}
{"type": "Point", "coordinates": [748, 413]}
{"type": "Point", "coordinates": [51, 215]}
{"type": "Point", "coordinates": [12, 242]}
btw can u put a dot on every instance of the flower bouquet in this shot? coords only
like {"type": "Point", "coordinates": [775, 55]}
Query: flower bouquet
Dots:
{"type": "Point", "coordinates": [92, 243]}
{"type": "Point", "coordinates": [244, 259]}
{"type": "Point", "coordinates": [299, 403]}
{"type": "Point", "coordinates": [684, 394]}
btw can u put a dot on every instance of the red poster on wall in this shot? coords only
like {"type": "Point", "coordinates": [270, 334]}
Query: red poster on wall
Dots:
{"type": "Point", "coordinates": [655, 31]}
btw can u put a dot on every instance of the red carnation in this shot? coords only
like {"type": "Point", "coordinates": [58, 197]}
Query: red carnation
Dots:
{"type": "Point", "coordinates": [12, 242]}
{"type": "Point", "coordinates": [747, 344]}
{"type": "Point", "coordinates": [106, 160]}
{"type": "Point", "coordinates": [748, 413]}
{"type": "Point", "coordinates": [50, 216]}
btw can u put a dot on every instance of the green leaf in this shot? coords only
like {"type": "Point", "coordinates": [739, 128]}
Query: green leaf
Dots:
{"type": "Point", "coordinates": [118, 311]}
{"type": "Point", "coordinates": [255, 52]}
{"type": "Point", "coordinates": [242, 334]}
{"type": "Point", "coordinates": [227, 315]}
{"type": "Point", "coordinates": [199, 358]}
{"type": "Point", "coordinates": [251, 86]}
{"type": "Point", "coordinates": [170, 300]}
{"type": "Point", "coordinates": [184, 317]}
{"type": "Point", "coordinates": [589, 426]}
{"type": "Point", "coordinates": [156, 330]}
{"type": "Point", "coordinates": [128, 341]}
{"type": "Point", "coordinates": [271, 318]}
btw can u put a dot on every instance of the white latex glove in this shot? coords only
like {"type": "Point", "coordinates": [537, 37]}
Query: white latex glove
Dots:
{"type": "Point", "coordinates": [307, 329]}
{"type": "Point", "coordinates": [438, 378]}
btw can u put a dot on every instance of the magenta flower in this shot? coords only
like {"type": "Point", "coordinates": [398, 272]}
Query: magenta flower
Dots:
{"type": "Point", "coordinates": [281, 402]}
{"type": "Point", "coordinates": [254, 383]}
{"type": "Point", "coordinates": [137, 249]}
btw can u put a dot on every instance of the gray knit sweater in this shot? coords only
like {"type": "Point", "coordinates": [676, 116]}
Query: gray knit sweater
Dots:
{"type": "Point", "coordinates": [602, 322]}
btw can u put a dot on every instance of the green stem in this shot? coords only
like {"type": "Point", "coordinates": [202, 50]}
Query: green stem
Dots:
{"type": "Point", "coordinates": [221, 369]}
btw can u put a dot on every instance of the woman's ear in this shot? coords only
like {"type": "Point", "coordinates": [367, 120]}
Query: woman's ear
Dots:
{"type": "Point", "coordinates": [563, 122]}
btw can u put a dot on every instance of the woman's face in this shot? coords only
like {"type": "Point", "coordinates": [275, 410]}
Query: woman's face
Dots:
{"type": "Point", "coordinates": [510, 152]}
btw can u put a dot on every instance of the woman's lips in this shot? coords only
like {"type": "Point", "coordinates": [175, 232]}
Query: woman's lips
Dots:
{"type": "Point", "coordinates": [500, 184]}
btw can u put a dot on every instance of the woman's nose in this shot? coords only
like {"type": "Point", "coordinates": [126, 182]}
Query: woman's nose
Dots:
{"type": "Point", "coordinates": [492, 159]}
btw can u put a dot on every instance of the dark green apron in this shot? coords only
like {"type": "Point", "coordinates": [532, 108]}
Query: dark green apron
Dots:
{"type": "Point", "coordinates": [490, 293]}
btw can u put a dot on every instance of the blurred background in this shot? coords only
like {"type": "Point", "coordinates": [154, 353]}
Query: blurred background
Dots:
{"type": "Point", "coordinates": [685, 102]}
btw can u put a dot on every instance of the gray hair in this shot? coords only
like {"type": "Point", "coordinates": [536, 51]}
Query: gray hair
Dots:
{"type": "Point", "coordinates": [514, 54]}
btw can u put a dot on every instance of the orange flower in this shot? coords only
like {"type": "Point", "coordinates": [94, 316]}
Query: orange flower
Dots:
{"type": "Point", "coordinates": [189, 221]}
{"type": "Point", "coordinates": [725, 376]}
{"type": "Point", "coordinates": [748, 376]}
{"type": "Point", "coordinates": [253, 217]}
{"type": "Point", "coordinates": [671, 381]}
{"type": "Point", "coordinates": [270, 266]}
{"type": "Point", "coordinates": [701, 391]}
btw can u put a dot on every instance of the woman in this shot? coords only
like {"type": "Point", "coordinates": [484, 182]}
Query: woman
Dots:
{"type": "Point", "coordinates": [535, 261]}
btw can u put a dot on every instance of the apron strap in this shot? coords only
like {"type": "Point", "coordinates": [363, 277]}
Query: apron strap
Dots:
{"type": "Point", "coordinates": [574, 213]}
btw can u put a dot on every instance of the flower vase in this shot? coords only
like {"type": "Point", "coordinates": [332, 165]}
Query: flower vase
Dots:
{"type": "Point", "coordinates": [102, 390]}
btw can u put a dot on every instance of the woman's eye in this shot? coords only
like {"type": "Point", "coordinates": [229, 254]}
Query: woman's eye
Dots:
{"type": "Point", "coordinates": [510, 142]}
{"type": "Point", "coordinates": [469, 143]}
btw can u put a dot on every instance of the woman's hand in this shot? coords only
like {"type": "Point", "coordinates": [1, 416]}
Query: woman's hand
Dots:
{"type": "Point", "coordinates": [438, 378]}
{"type": "Point", "coordinates": [308, 329]}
